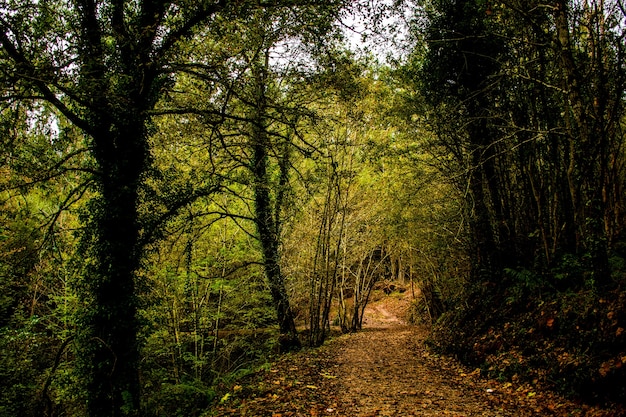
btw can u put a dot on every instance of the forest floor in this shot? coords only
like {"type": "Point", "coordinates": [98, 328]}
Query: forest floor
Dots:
{"type": "Point", "coordinates": [387, 370]}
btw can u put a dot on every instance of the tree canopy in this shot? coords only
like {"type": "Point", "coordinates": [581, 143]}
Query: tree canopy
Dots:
{"type": "Point", "coordinates": [188, 188]}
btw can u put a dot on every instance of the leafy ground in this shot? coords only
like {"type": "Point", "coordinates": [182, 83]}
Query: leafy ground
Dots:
{"type": "Point", "coordinates": [386, 370]}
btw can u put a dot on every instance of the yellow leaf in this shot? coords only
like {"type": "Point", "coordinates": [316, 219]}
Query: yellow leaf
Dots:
{"type": "Point", "coordinates": [311, 387]}
{"type": "Point", "coordinates": [531, 394]}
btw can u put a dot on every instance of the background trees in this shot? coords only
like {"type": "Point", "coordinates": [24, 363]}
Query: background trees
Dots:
{"type": "Point", "coordinates": [514, 94]}
{"type": "Point", "coordinates": [513, 90]}
{"type": "Point", "coordinates": [266, 110]}
{"type": "Point", "coordinates": [188, 188]}
{"type": "Point", "coordinates": [103, 68]}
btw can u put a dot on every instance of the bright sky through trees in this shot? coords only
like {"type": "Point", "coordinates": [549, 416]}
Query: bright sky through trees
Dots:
{"type": "Point", "coordinates": [379, 28]}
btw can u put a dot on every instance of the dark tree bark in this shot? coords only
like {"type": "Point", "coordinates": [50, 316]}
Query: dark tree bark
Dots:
{"type": "Point", "coordinates": [267, 210]}
{"type": "Point", "coordinates": [109, 351]}
{"type": "Point", "coordinates": [588, 147]}
{"type": "Point", "coordinates": [460, 75]}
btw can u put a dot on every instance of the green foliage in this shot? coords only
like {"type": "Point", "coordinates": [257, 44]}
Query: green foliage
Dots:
{"type": "Point", "coordinates": [188, 399]}
{"type": "Point", "coordinates": [523, 285]}
{"type": "Point", "coordinates": [37, 305]}
{"type": "Point", "coordinates": [204, 305]}
{"type": "Point", "coordinates": [207, 316]}
{"type": "Point", "coordinates": [37, 373]}
{"type": "Point", "coordinates": [19, 372]}
{"type": "Point", "coordinates": [465, 175]}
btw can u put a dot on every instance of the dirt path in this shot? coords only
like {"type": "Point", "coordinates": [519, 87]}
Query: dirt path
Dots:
{"type": "Point", "coordinates": [386, 370]}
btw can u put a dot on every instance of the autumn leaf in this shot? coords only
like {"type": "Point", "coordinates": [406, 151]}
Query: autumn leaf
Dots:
{"type": "Point", "coordinates": [605, 368]}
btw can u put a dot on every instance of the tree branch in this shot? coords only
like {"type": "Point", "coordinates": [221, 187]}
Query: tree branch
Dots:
{"type": "Point", "coordinates": [30, 71]}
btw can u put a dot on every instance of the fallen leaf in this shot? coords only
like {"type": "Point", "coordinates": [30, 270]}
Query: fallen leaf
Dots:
{"type": "Point", "coordinates": [605, 368]}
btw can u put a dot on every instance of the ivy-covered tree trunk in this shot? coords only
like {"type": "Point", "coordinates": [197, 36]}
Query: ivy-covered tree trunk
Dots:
{"type": "Point", "coordinates": [267, 212]}
{"type": "Point", "coordinates": [108, 354]}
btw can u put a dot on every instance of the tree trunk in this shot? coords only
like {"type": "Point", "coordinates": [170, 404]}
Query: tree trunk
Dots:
{"type": "Point", "coordinates": [109, 353]}
{"type": "Point", "coordinates": [270, 247]}
{"type": "Point", "coordinates": [484, 249]}
{"type": "Point", "coordinates": [587, 165]}
{"type": "Point", "coordinates": [266, 223]}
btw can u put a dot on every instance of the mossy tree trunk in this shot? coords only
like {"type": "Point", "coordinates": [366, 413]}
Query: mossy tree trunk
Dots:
{"type": "Point", "coordinates": [267, 209]}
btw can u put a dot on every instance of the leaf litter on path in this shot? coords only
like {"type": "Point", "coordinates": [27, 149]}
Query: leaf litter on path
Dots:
{"type": "Point", "coordinates": [386, 370]}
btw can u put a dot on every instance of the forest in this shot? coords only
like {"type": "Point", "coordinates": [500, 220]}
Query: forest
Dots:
{"type": "Point", "coordinates": [191, 189]}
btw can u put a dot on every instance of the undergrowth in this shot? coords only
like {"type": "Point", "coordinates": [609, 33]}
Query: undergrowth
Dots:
{"type": "Point", "coordinates": [572, 341]}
